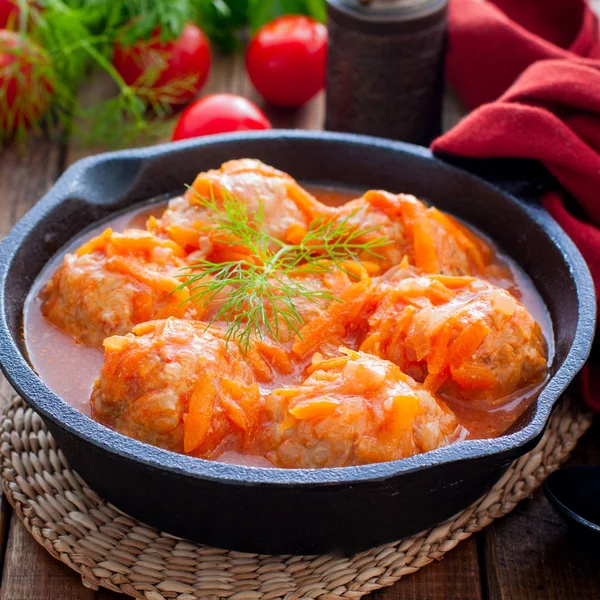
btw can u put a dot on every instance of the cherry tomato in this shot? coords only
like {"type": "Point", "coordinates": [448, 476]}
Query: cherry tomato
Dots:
{"type": "Point", "coordinates": [176, 70]}
{"type": "Point", "coordinates": [219, 113]}
{"type": "Point", "coordinates": [286, 60]}
{"type": "Point", "coordinates": [9, 13]}
{"type": "Point", "coordinates": [26, 75]}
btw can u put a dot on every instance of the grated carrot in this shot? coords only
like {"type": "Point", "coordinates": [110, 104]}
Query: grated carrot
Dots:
{"type": "Point", "coordinates": [185, 237]}
{"type": "Point", "coordinates": [116, 343]}
{"type": "Point", "coordinates": [314, 408]}
{"type": "Point", "coordinates": [327, 364]}
{"type": "Point", "coordinates": [295, 234]}
{"type": "Point", "coordinates": [234, 413]}
{"type": "Point", "coordinates": [467, 342]}
{"type": "Point", "coordinates": [372, 344]}
{"type": "Point", "coordinates": [97, 243]}
{"type": "Point", "coordinates": [404, 412]}
{"type": "Point", "coordinates": [470, 376]}
{"type": "Point", "coordinates": [197, 421]}
{"type": "Point", "coordinates": [158, 281]}
{"type": "Point", "coordinates": [335, 320]}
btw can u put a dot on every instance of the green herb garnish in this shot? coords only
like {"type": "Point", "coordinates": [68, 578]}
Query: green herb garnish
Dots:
{"type": "Point", "coordinates": [258, 294]}
{"type": "Point", "coordinates": [77, 38]}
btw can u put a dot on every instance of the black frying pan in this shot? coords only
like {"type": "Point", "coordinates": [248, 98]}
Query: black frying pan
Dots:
{"type": "Point", "coordinates": [277, 510]}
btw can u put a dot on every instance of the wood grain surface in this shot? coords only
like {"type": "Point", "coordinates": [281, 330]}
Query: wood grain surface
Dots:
{"type": "Point", "coordinates": [528, 555]}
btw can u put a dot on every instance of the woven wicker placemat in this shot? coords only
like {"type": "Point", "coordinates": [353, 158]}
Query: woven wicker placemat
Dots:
{"type": "Point", "coordinates": [108, 548]}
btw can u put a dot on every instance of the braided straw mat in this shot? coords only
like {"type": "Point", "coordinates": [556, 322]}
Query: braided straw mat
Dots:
{"type": "Point", "coordinates": [108, 548]}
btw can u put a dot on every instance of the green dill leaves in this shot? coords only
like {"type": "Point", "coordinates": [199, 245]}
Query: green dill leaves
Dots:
{"type": "Point", "coordinates": [259, 292]}
{"type": "Point", "coordinates": [73, 43]}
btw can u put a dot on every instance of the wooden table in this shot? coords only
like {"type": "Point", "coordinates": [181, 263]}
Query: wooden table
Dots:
{"type": "Point", "coordinates": [527, 555]}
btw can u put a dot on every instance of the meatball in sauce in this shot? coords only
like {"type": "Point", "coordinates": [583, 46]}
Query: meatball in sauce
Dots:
{"type": "Point", "coordinates": [424, 336]}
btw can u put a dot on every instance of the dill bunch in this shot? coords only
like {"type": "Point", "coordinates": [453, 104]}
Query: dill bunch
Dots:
{"type": "Point", "coordinates": [258, 294]}
{"type": "Point", "coordinates": [79, 37]}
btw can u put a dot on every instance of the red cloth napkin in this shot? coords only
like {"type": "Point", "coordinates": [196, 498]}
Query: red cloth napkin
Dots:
{"type": "Point", "coordinates": [530, 69]}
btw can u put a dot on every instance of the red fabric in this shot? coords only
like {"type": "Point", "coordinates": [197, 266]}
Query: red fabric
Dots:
{"type": "Point", "coordinates": [530, 69]}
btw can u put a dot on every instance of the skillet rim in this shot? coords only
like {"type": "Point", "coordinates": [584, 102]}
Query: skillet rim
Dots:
{"type": "Point", "coordinates": [30, 386]}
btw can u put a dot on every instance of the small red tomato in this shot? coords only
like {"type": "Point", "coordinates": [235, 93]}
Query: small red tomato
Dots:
{"type": "Point", "coordinates": [9, 13]}
{"type": "Point", "coordinates": [176, 70]}
{"type": "Point", "coordinates": [219, 113]}
{"type": "Point", "coordinates": [286, 60]}
{"type": "Point", "coordinates": [26, 76]}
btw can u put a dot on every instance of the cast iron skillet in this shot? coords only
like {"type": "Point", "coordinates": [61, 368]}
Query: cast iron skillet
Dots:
{"type": "Point", "coordinates": [278, 510]}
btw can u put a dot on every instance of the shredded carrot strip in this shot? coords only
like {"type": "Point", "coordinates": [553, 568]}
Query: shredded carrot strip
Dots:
{"type": "Point", "coordinates": [158, 281]}
{"type": "Point", "coordinates": [132, 241]}
{"type": "Point", "coordinates": [116, 343]}
{"type": "Point", "coordinates": [405, 411]}
{"type": "Point", "coordinates": [197, 421]}
{"type": "Point", "coordinates": [337, 317]}
{"type": "Point", "coordinates": [260, 366]}
{"type": "Point", "coordinates": [97, 243]}
{"type": "Point", "coordinates": [314, 408]}
{"type": "Point", "coordinates": [372, 344]}
{"type": "Point", "coordinates": [424, 247]}
{"type": "Point", "coordinates": [144, 328]}
{"type": "Point", "coordinates": [434, 381]}
{"type": "Point", "coordinates": [295, 233]}
{"type": "Point", "coordinates": [328, 364]}
{"type": "Point", "coordinates": [470, 376]}
{"type": "Point", "coordinates": [355, 269]}
{"type": "Point", "coordinates": [153, 224]}
{"type": "Point", "coordinates": [438, 357]}
{"type": "Point", "coordinates": [304, 201]}
{"type": "Point", "coordinates": [277, 356]}
{"type": "Point", "coordinates": [388, 203]}
{"type": "Point", "coordinates": [185, 237]}
{"type": "Point", "coordinates": [234, 413]}
{"type": "Point", "coordinates": [205, 186]}
{"type": "Point", "coordinates": [467, 342]}
{"type": "Point", "coordinates": [453, 282]}
{"type": "Point", "coordinates": [370, 267]}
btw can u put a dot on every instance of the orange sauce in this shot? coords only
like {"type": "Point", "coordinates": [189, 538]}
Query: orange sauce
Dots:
{"type": "Point", "coordinates": [69, 368]}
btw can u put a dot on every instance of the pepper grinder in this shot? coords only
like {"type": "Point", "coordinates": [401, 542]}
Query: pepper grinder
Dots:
{"type": "Point", "coordinates": [385, 67]}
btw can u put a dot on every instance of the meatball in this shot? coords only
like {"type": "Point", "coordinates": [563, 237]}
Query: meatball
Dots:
{"type": "Point", "coordinates": [464, 338]}
{"type": "Point", "coordinates": [432, 241]}
{"type": "Point", "coordinates": [351, 410]}
{"type": "Point", "coordinates": [313, 293]}
{"type": "Point", "coordinates": [114, 282]}
{"type": "Point", "coordinates": [178, 385]}
{"type": "Point", "coordinates": [286, 208]}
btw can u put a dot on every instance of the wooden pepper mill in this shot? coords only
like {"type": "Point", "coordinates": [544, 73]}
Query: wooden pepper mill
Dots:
{"type": "Point", "coordinates": [385, 67]}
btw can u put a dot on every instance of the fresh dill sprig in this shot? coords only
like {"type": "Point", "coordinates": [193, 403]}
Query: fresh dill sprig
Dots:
{"type": "Point", "coordinates": [74, 40]}
{"type": "Point", "coordinates": [258, 293]}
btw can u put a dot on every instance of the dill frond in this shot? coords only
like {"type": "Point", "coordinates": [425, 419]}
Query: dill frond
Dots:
{"type": "Point", "coordinates": [258, 295]}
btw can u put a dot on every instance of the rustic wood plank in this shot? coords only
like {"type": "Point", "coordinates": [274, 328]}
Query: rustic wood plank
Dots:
{"type": "Point", "coordinates": [454, 577]}
{"type": "Point", "coordinates": [532, 554]}
{"type": "Point", "coordinates": [30, 573]}
{"type": "Point", "coordinates": [26, 174]}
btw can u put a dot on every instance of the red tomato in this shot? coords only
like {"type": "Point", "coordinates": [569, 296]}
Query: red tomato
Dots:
{"type": "Point", "coordinates": [219, 113]}
{"type": "Point", "coordinates": [9, 13]}
{"type": "Point", "coordinates": [26, 75]}
{"type": "Point", "coordinates": [176, 70]}
{"type": "Point", "coordinates": [286, 60]}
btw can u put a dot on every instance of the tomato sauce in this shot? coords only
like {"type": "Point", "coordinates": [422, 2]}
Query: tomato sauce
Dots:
{"type": "Point", "coordinates": [70, 368]}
